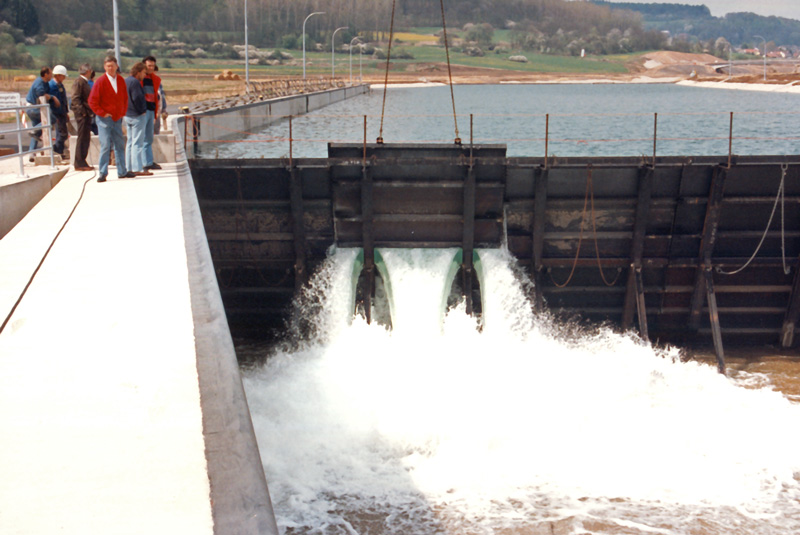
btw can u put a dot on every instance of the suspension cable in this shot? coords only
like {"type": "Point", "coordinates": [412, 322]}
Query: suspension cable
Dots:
{"type": "Point", "coordinates": [449, 73]}
{"type": "Point", "coordinates": [779, 197]}
{"type": "Point", "coordinates": [386, 78]}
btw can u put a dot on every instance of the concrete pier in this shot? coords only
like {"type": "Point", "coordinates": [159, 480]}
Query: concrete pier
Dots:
{"type": "Point", "coordinates": [121, 405]}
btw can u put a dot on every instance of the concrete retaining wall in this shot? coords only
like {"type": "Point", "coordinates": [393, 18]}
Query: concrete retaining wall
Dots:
{"type": "Point", "coordinates": [163, 149]}
{"type": "Point", "coordinates": [19, 195]}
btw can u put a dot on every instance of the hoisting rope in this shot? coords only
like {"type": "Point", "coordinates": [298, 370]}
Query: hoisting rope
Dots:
{"type": "Point", "coordinates": [597, 247]}
{"type": "Point", "coordinates": [587, 199]}
{"type": "Point", "coordinates": [386, 78]}
{"type": "Point", "coordinates": [779, 197]}
{"type": "Point", "coordinates": [457, 141]}
{"type": "Point", "coordinates": [580, 236]}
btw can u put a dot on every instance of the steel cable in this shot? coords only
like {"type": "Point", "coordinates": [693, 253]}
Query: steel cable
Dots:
{"type": "Point", "coordinates": [779, 197]}
{"type": "Point", "coordinates": [386, 77]}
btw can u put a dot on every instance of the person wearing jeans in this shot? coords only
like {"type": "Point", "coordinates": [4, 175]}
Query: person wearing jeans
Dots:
{"type": "Point", "coordinates": [135, 120]}
{"type": "Point", "coordinates": [39, 88]}
{"type": "Point", "coordinates": [152, 87]}
{"type": "Point", "coordinates": [109, 102]}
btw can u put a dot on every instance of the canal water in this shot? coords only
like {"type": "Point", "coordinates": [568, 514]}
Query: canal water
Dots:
{"type": "Point", "coordinates": [584, 120]}
{"type": "Point", "coordinates": [512, 425]}
{"type": "Point", "coordinates": [519, 424]}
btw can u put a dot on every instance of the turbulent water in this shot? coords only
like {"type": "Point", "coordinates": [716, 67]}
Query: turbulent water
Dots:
{"type": "Point", "coordinates": [585, 120]}
{"type": "Point", "coordinates": [511, 424]}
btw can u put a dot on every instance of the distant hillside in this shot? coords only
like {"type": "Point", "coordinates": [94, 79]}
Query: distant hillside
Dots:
{"type": "Point", "coordinates": [696, 22]}
{"type": "Point", "coordinates": [654, 12]}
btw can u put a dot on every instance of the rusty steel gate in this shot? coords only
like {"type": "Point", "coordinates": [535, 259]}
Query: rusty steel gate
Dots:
{"type": "Point", "coordinates": [656, 244]}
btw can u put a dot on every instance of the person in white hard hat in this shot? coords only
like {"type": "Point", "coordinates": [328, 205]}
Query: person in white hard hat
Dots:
{"type": "Point", "coordinates": [59, 107]}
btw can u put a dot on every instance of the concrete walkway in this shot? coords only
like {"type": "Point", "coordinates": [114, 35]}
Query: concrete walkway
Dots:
{"type": "Point", "coordinates": [121, 407]}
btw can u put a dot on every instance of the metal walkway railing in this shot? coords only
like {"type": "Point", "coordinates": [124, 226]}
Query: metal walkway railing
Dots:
{"type": "Point", "coordinates": [18, 111]}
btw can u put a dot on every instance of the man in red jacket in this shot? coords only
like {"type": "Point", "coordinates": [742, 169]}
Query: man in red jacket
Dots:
{"type": "Point", "coordinates": [109, 102]}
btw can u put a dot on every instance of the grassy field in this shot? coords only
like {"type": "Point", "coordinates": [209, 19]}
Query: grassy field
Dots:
{"type": "Point", "coordinates": [192, 78]}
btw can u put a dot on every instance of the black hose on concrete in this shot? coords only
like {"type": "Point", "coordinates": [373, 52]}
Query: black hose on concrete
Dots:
{"type": "Point", "coordinates": [35, 271]}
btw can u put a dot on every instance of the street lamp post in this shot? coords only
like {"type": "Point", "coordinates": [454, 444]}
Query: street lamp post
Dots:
{"type": "Point", "coordinates": [730, 61]}
{"type": "Point", "coordinates": [333, 58]}
{"type": "Point", "coordinates": [117, 52]}
{"type": "Point", "coordinates": [304, 39]}
{"type": "Point", "coordinates": [353, 40]}
{"type": "Point", "coordinates": [246, 54]}
{"type": "Point", "coordinates": [765, 55]}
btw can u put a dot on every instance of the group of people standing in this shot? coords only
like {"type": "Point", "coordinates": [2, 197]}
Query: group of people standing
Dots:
{"type": "Point", "coordinates": [50, 85]}
{"type": "Point", "coordinates": [103, 104]}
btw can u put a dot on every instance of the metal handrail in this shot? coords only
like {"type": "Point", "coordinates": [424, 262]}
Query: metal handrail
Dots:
{"type": "Point", "coordinates": [19, 130]}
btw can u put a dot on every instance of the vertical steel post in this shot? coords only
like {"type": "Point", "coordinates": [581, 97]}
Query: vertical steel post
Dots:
{"type": "Point", "coordinates": [707, 241]}
{"type": "Point", "coordinates": [539, 208]}
{"type": "Point", "coordinates": [713, 314]}
{"type": "Point", "coordinates": [290, 142]}
{"type": "Point", "coordinates": [298, 227]}
{"type": "Point", "coordinates": [19, 146]}
{"type": "Point", "coordinates": [730, 142]}
{"type": "Point", "coordinates": [792, 314]}
{"type": "Point", "coordinates": [367, 235]}
{"type": "Point", "coordinates": [634, 293]}
{"type": "Point", "coordinates": [641, 308]}
{"type": "Point", "coordinates": [655, 137]}
{"type": "Point", "coordinates": [246, 54]}
{"type": "Point", "coordinates": [468, 236]}
{"type": "Point", "coordinates": [546, 137]}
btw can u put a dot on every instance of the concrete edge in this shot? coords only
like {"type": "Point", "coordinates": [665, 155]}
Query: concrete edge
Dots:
{"type": "Point", "coordinates": [18, 198]}
{"type": "Point", "coordinates": [239, 495]}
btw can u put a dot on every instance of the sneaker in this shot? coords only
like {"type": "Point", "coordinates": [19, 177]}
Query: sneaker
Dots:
{"type": "Point", "coordinates": [152, 166]}
{"type": "Point", "coordinates": [102, 178]}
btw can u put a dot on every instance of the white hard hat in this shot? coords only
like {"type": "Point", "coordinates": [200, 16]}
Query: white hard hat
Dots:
{"type": "Point", "coordinates": [60, 69]}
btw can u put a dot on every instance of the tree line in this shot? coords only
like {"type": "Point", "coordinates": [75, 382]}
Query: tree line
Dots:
{"type": "Point", "coordinates": [546, 26]}
{"type": "Point", "coordinates": [696, 24]}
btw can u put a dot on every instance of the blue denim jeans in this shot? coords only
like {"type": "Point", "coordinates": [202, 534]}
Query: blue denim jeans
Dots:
{"type": "Point", "coordinates": [35, 115]}
{"type": "Point", "coordinates": [134, 150]}
{"type": "Point", "coordinates": [110, 132]}
{"type": "Point", "coordinates": [148, 136]}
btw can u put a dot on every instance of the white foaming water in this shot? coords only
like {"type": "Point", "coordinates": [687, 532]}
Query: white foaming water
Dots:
{"type": "Point", "coordinates": [436, 427]}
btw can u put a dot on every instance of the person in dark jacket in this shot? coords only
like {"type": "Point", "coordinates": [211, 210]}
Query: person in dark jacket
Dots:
{"type": "Point", "coordinates": [59, 107]}
{"type": "Point", "coordinates": [83, 116]}
{"type": "Point", "coordinates": [152, 85]}
{"type": "Point", "coordinates": [135, 121]}
{"type": "Point", "coordinates": [39, 88]}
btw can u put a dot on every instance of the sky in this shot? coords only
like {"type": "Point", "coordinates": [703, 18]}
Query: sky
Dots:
{"type": "Point", "coordinates": [779, 8]}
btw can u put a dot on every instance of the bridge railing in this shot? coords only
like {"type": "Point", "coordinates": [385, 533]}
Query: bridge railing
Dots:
{"type": "Point", "coordinates": [553, 135]}
{"type": "Point", "coordinates": [21, 128]}
{"type": "Point", "coordinates": [260, 90]}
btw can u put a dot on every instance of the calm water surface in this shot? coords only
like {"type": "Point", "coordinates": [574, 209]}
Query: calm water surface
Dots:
{"type": "Point", "coordinates": [585, 120]}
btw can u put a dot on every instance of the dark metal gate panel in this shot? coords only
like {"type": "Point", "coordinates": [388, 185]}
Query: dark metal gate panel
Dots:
{"type": "Point", "coordinates": [542, 209]}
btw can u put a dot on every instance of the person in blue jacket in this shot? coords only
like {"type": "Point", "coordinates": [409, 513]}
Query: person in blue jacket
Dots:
{"type": "Point", "coordinates": [136, 121]}
{"type": "Point", "coordinates": [59, 107]}
{"type": "Point", "coordinates": [39, 88]}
